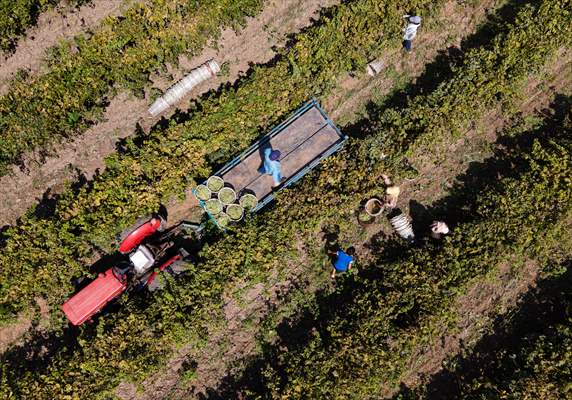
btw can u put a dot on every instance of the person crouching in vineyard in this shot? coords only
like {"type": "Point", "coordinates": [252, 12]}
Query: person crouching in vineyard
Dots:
{"type": "Point", "coordinates": [343, 261]}
{"type": "Point", "coordinates": [271, 165]}
{"type": "Point", "coordinates": [413, 22]}
{"type": "Point", "coordinates": [439, 229]}
{"type": "Point", "coordinates": [391, 193]}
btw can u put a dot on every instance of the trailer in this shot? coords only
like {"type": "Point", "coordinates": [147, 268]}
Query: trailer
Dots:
{"type": "Point", "coordinates": [305, 138]}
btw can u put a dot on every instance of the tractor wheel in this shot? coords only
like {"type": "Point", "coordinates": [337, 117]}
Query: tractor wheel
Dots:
{"type": "Point", "coordinates": [156, 284]}
{"type": "Point", "coordinates": [177, 268]}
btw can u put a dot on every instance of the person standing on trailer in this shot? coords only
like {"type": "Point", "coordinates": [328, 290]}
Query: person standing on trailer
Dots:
{"type": "Point", "coordinates": [271, 165]}
{"type": "Point", "coordinates": [413, 22]}
{"type": "Point", "coordinates": [343, 261]}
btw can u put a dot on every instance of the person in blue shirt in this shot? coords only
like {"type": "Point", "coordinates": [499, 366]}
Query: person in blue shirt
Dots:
{"type": "Point", "coordinates": [271, 165]}
{"type": "Point", "coordinates": [343, 261]}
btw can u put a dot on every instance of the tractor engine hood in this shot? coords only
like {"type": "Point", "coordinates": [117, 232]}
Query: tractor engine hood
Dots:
{"type": "Point", "coordinates": [92, 298]}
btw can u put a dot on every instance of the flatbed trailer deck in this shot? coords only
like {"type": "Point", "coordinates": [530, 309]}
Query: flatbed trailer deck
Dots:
{"type": "Point", "coordinates": [305, 138]}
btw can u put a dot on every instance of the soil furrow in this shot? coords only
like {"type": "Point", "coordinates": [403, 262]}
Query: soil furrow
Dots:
{"type": "Point", "coordinates": [61, 23]}
{"type": "Point", "coordinates": [42, 177]}
{"type": "Point", "coordinates": [354, 92]}
{"type": "Point", "coordinates": [483, 299]}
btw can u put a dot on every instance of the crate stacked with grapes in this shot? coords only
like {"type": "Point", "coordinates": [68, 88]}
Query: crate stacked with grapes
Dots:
{"type": "Point", "coordinates": [222, 203]}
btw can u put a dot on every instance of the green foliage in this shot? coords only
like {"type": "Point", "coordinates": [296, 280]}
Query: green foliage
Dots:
{"type": "Point", "coordinates": [47, 253]}
{"type": "Point", "coordinates": [40, 256]}
{"type": "Point", "coordinates": [122, 54]}
{"type": "Point", "coordinates": [531, 353]}
{"type": "Point", "coordinates": [365, 331]}
{"type": "Point", "coordinates": [540, 368]}
{"type": "Point", "coordinates": [18, 15]}
{"type": "Point", "coordinates": [492, 74]}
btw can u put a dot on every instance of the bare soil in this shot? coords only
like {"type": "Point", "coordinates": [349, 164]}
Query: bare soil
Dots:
{"type": "Point", "coordinates": [14, 333]}
{"type": "Point", "coordinates": [10, 334]}
{"type": "Point", "coordinates": [61, 23]}
{"type": "Point", "coordinates": [354, 92]}
{"type": "Point", "coordinates": [43, 177]}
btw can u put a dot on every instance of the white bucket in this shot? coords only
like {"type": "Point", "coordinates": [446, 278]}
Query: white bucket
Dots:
{"type": "Point", "coordinates": [402, 225]}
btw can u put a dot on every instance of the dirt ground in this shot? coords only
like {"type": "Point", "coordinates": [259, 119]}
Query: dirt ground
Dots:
{"type": "Point", "coordinates": [42, 178]}
{"type": "Point", "coordinates": [485, 298]}
{"type": "Point", "coordinates": [344, 104]}
{"type": "Point", "coordinates": [61, 23]}
{"type": "Point", "coordinates": [10, 334]}
{"type": "Point", "coordinates": [476, 311]}
{"type": "Point", "coordinates": [13, 333]}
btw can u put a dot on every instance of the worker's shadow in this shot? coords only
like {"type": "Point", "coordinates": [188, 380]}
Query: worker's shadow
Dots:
{"type": "Point", "coordinates": [421, 218]}
{"type": "Point", "coordinates": [261, 151]}
{"type": "Point", "coordinates": [330, 237]}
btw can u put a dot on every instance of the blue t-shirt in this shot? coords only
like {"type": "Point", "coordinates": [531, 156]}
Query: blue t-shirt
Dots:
{"type": "Point", "coordinates": [343, 261]}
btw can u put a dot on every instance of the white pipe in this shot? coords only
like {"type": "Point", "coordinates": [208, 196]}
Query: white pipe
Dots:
{"type": "Point", "coordinates": [180, 89]}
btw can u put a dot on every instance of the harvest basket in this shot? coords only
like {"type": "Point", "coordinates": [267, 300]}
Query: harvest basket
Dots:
{"type": "Point", "coordinates": [202, 192]}
{"type": "Point", "coordinates": [213, 206]}
{"type": "Point", "coordinates": [222, 220]}
{"type": "Point", "coordinates": [227, 196]}
{"type": "Point", "coordinates": [248, 201]}
{"type": "Point", "coordinates": [215, 183]}
{"type": "Point", "coordinates": [235, 212]}
{"type": "Point", "coordinates": [373, 207]}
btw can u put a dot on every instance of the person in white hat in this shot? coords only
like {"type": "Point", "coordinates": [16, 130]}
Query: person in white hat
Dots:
{"type": "Point", "coordinates": [413, 22]}
{"type": "Point", "coordinates": [438, 229]}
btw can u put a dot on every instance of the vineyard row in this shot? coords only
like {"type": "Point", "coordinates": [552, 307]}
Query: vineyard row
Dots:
{"type": "Point", "coordinates": [137, 180]}
{"type": "Point", "coordinates": [367, 330]}
{"type": "Point", "coordinates": [121, 55]}
{"type": "Point", "coordinates": [129, 343]}
{"type": "Point", "coordinates": [16, 16]}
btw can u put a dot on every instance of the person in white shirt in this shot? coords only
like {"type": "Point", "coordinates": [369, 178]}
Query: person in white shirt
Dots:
{"type": "Point", "coordinates": [413, 22]}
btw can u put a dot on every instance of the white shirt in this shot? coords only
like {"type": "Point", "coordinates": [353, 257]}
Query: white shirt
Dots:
{"type": "Point", "coordinates": [410, 31]}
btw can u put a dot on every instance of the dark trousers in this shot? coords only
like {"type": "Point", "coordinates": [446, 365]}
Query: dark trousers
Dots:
{"type": "Point", "coordinates": [408, 45]}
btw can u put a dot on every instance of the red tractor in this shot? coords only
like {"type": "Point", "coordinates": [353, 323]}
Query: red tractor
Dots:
{"type": "Point", "coordinates": [146, 250]}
